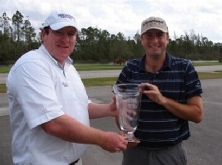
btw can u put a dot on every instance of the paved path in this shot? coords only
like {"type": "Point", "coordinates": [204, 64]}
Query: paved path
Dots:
{"type": "Point", "coordinates": [203, 148]}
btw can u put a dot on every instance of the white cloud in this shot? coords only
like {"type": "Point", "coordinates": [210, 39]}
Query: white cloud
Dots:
{"type": "Point", "coordinates": [204, 17]}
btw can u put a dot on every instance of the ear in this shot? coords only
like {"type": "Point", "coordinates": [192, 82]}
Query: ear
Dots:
{"type": "Point", "coordinates": [42, 34]}
{"type": "Point", "coordinates": [168, 39]}
{"type": "Point", "coordinates": [141, 39]}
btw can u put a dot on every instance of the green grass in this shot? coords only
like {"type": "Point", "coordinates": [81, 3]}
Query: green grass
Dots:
{"type": "Point", "coordinates": [80, 67]}
{"type": "Point", "coordinates": [4, 69]}
{"type": "Point", "coordinates": [207, 75]}
{"type": "Point", "coordinates": [2, 88]}
{"type": "Point", "coordinates": [99, 81]}
{"type": "Point", "coordinates": [206, 63]}
{"type": "Point", "coordinates": [90, 67]}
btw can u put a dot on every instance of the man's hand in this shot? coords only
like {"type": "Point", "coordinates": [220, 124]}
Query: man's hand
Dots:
{"type": "Point", "coordinates": [112, 107]}
{"type": "Point", "coordinates": [113, 142]}
{"type": "Point", "coordinates": [152, 92]}
{"type": "Point", "coordinates": [133, 144]}
{"type": "Point", "coordinates": [130, 144]}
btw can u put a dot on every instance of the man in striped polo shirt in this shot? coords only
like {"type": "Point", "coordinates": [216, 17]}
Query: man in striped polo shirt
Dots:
{"type": "Point", "coordinates": [171, 96]}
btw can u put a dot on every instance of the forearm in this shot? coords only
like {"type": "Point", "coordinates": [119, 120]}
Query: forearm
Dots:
{"type": "Point", "coordinates": [98, 110]}
{"type": "Point", "coordinates": [69, 129]}
{"type": "Point", "coordinates": [191, 111]}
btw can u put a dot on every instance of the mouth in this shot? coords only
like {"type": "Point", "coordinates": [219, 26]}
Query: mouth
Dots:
{"type": "Point", "coordinates": [63, 47]}
{"type": "Point", "coordinates": [154, 46]}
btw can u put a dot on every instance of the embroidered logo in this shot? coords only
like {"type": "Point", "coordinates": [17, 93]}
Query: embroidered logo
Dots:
{"type": "Point", "coordinates": [153, 22]}
{"type": "Point", "coordinates": [65, 16]}
{"type": "Point", "coordinates": [64, 84]}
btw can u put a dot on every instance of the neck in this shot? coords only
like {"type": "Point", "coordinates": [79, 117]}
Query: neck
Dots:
{"type": "Point", "coordinates": [154, 63]}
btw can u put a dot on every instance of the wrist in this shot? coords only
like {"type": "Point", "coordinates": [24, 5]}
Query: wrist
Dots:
{"type": "Point", "coordinates": [164, 101]}
{"type": "Point", "coordinates": [101, 139]}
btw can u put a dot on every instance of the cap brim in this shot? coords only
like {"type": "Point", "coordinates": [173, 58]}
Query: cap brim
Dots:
{"type": "Point", "coordinates": [60, 25]}
{"type": "Point", "coordinates": [163, 30]}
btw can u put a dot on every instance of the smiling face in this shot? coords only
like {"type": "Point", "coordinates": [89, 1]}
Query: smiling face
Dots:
{"type": "Point", "coordinates": [154, 42]}
{"type": "Point", "coordinates": [60, 43]}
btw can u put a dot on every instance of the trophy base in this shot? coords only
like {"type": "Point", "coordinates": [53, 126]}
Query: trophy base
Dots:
{"type": "Point", "coordinates": [131, 138]}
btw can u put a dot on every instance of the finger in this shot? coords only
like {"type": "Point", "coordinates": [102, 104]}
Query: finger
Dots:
{"type": "Point", "coordinates": [145, 87]}
{"type": "Point", "coordinates": [118, 150]}
{"type": "Point", "coordinates": [122, 133]}
{"type": "Point", "coordinates": [131, 145]}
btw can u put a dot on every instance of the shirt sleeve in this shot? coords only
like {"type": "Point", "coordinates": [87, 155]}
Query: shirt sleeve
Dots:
{"type": "Point", "coordinates": [35, 92]}
{"type": "Point", "coordinates": [193, 84]}
{"type": "Point", "coordinates": [122, 76]}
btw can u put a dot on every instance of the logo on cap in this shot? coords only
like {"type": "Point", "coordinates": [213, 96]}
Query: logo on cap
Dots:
{"type": "Point", "coordinates": [65, 16]}
{"type": "Point", "coordinates": [60, 19]}
{"type": "Point", "coordinates": [153, 22]}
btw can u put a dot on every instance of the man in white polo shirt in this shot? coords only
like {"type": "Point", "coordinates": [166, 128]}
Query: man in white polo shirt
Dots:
{"type": "Point", "coordinates": [49, 107]}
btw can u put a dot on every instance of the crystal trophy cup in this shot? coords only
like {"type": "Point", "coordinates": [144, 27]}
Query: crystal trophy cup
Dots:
{"type": "Point", "coordinates": [128, 105]}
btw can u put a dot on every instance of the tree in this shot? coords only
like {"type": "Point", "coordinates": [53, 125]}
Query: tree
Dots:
{"type": "Point", "coordinates": [17, 36]}
{"type": "Point", "coordinates": [29, 33]}
{"type": "Point", "coordinates": [5, 43]}
{"type": "Point", "coordinates": [17, 22]}
{"type": "Point", "coordinates": [4, 23]}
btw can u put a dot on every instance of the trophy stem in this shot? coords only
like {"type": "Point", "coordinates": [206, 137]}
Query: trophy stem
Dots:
{"type": "Point", "coordinates": [130, 137]}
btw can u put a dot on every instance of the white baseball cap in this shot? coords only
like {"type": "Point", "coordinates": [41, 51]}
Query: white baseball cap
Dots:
{"type": "Point", "coordinates": [60, 19]}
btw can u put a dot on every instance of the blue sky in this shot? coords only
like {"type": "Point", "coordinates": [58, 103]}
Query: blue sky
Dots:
{"type": "Point", "coordinates": [204, 17]}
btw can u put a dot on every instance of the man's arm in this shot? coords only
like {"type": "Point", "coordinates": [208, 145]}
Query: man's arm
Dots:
{"type": "Point", "coordinates": [191, 111]}
{"type": "Point", "coordinates": [69, 129]}
{"type": "Point", "coordinates": [102, 110]}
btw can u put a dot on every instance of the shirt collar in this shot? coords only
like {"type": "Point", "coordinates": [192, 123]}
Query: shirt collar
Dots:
{"type": "Point", "coordinates": [166, 65]}
{"type": "Point", "coordinates": [68, 59]}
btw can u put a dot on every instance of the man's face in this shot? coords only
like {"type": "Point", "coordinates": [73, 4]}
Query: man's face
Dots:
{"type": "Point", "coordinates": [60, 43]}
{"type": "Point", "coordinates": [155, 42]}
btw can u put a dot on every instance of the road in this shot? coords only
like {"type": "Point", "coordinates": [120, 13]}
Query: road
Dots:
{"type": "Point", "coordinates": [203, 147]}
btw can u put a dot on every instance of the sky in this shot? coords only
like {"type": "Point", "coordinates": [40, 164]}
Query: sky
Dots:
{"type": "Point", "coordinates": [203, 17]}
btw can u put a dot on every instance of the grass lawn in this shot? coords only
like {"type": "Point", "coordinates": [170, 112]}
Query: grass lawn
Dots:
{"type": "Point", "coordinates": [205, 63]}
{"type": "Point", "coordinates": [90, 67]}
{"type": "Point", "coordinates": [80, 67]}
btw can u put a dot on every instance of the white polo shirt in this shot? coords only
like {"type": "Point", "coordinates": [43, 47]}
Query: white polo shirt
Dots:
{"type": "Point", "coordinates": [39, 90]}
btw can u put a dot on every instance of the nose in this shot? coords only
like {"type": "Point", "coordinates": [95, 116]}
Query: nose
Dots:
{"type": "Point", "coordinates": [65, 37]}
{"type": "Point", "coordinates": [155, 38]}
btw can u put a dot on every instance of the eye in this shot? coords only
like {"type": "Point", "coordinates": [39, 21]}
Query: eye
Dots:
{"type": "Point", "coordinates": [148, 35]}
{"type": "Point", "coordinates": [160, 34]}
{"type": "Point", "coordinates": [58, 32]}
{"type": "Point", "coordinates": [71, 34]}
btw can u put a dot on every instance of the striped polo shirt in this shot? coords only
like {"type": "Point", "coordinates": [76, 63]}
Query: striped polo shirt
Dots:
{"type": "Point", "coordinates": [177, 79]}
